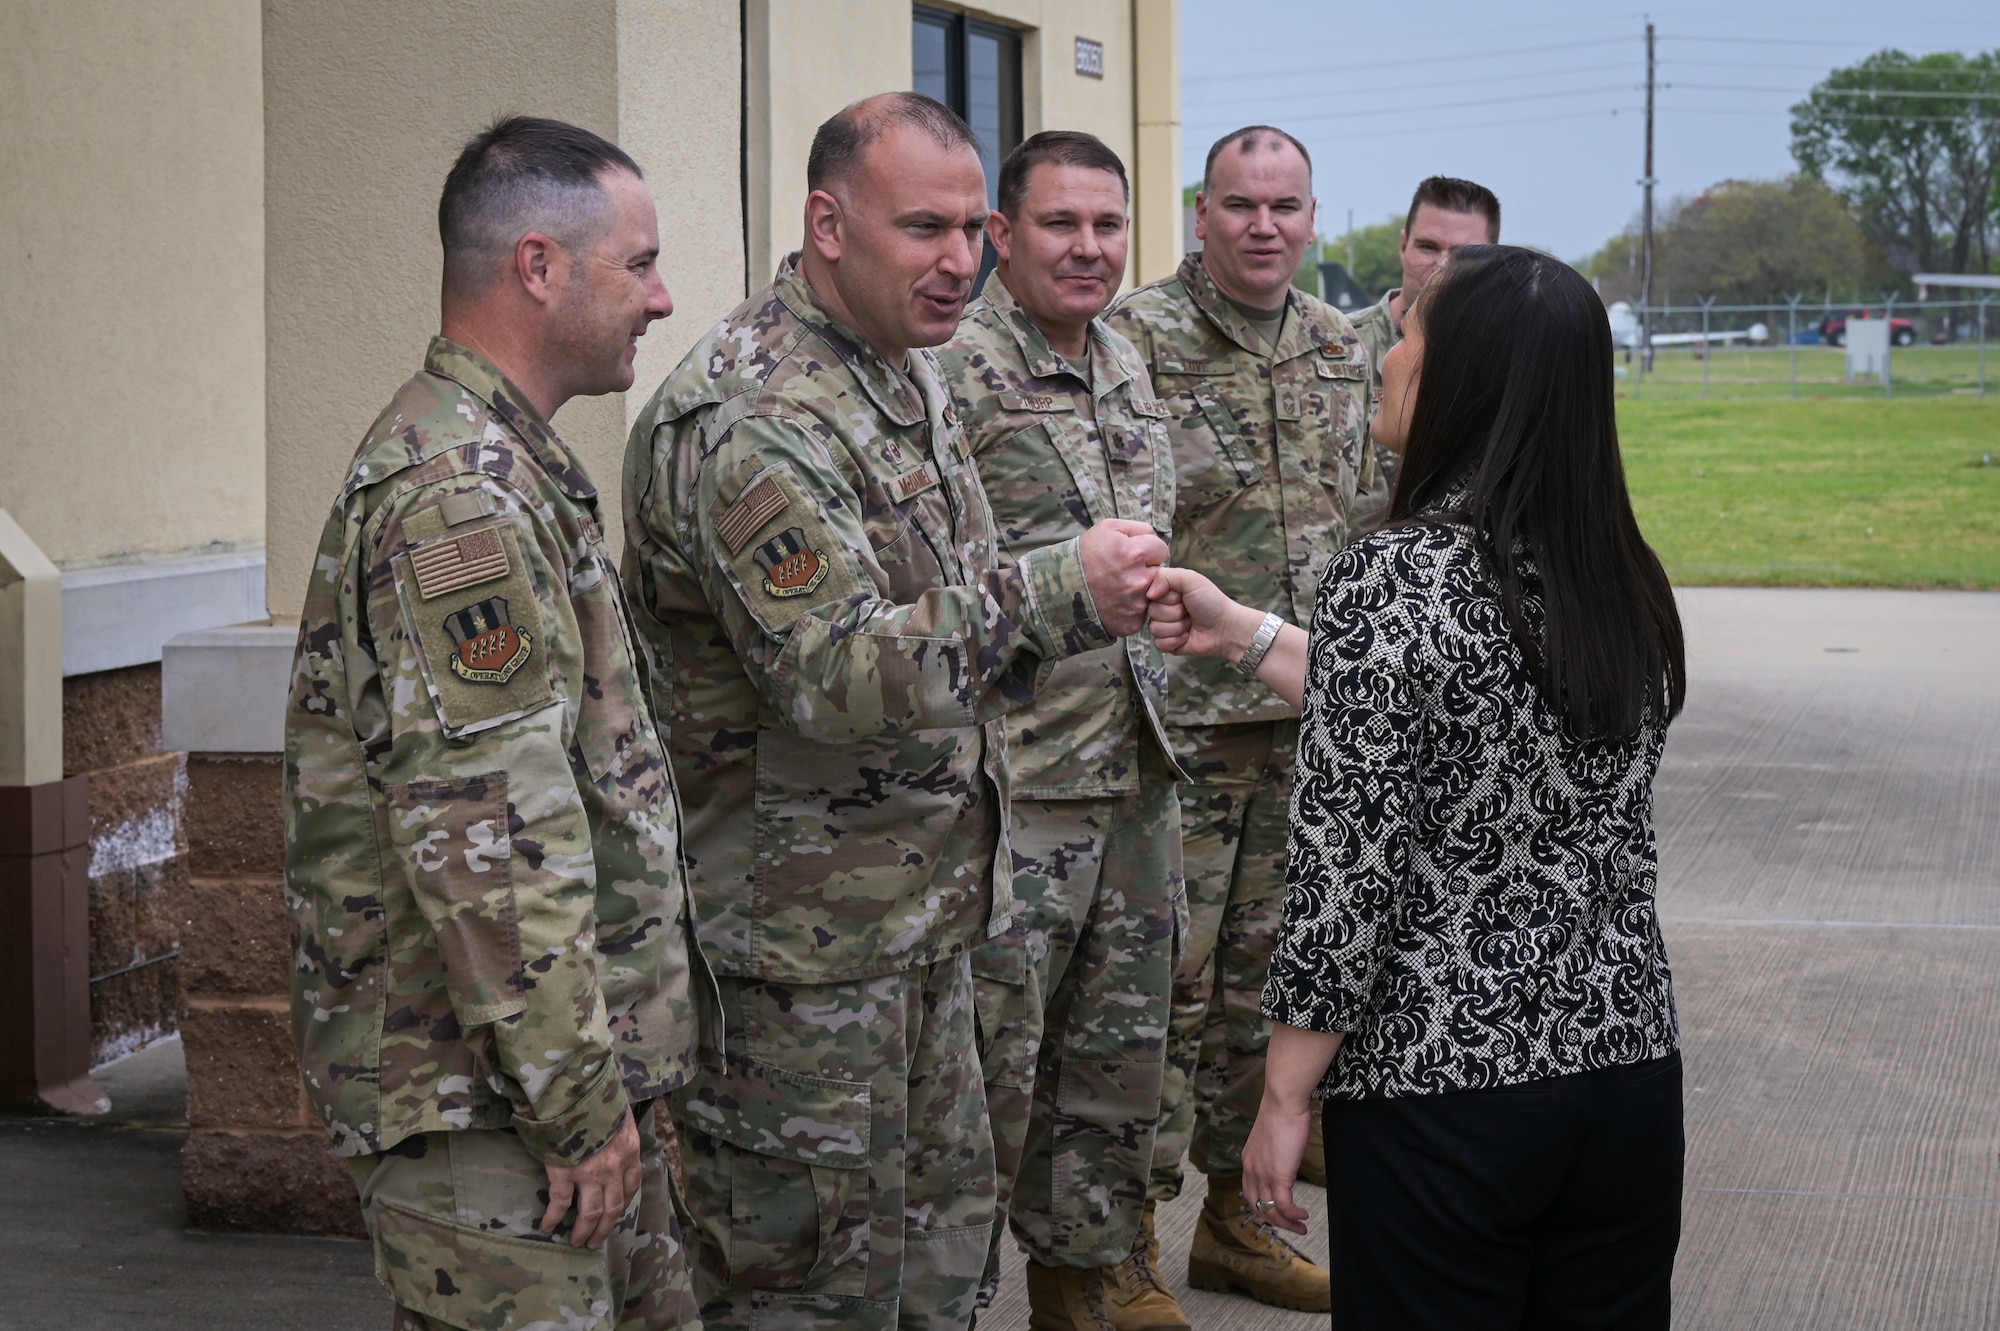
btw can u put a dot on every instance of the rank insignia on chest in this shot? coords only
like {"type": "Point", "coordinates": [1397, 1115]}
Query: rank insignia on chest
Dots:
{"type": "Point", "coordinates": [791, 566]}
{"type": "Point", "coordinates": [490, 647]}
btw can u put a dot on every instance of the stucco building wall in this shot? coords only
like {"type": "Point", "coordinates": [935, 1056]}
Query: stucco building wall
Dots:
{"type": "Point", "coordinates": [131, 317]}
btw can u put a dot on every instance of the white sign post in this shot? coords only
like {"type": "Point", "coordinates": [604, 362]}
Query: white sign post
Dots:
{"type": "Point", "coordinates": [1868, 350]}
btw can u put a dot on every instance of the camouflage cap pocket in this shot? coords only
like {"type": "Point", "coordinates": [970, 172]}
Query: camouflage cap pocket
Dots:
{"type": "Point", "coordinates": [462, 1276]}
{"type": "Point", "coordinates": [773, 1111]}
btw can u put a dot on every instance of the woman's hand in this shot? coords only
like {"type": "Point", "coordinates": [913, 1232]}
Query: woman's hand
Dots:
{"type": "Point", "coordinates": [1271, 1165]}
{"type": "Point", "coordinates": [1191, 617]}
{"type": "Point", "coordinates": [1293, 1066]}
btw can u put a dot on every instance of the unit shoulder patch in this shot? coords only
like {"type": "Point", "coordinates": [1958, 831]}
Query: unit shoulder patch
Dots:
{"type": "Point", "coordinates": [491, 647]}
{"type": "Point", "coordinates": [792, 567]}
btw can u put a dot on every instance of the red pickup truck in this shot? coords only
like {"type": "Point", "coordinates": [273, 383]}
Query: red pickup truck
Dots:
{"type": "Point", "coordinates": [1833, 328]}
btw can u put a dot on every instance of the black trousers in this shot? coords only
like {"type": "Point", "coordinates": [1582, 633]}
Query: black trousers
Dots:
{"type": "Point", "coordinates": [1547, 1206]}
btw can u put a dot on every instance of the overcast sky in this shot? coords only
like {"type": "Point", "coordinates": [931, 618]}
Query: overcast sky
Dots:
{"type": "Point", "coordinates": [1384, 94]}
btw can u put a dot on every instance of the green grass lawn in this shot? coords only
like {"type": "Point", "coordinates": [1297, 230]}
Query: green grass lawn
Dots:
{"type": "Point", "coordinates": [1837, 492]}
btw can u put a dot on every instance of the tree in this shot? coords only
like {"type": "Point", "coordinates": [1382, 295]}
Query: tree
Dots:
{"type": "Point", "coordinates": [1744, 241]}
{"type": "Point", "coordinates": [1377, 265]}
{"type": "Point", "coordinates": [1914, 143]}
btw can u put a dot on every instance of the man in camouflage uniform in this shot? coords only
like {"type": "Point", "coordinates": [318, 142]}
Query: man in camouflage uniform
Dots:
{"type": "Point", "coordinates": [492, 938]}
{"type": "Point", "coordinates": [1445, 215]}
{"type": "Point", "coordinates": [1265, 389]}
{"type": "Point", "coordinates": [1073, 1000]}
{"type": "Point", "coordinates": [838, 642]}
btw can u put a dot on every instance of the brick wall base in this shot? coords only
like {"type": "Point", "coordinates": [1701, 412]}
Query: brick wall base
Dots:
{"type": "Point", "coordinates": [256, 1159]}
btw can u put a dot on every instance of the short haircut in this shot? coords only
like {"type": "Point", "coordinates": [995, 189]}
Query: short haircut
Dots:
{"type": "Point", "coordinates": [1252, 137]}
{"type": "Point", "coordinates": [838, 144]}
{"type": "Point", "coordinates": [522, 174]}
{"type": "Point", "coordinates": [1055, 147]}
{"type": "Point", "coordinates": [1457, 196]}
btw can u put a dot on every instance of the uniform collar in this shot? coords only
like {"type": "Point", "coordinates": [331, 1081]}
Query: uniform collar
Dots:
{"type": "Point", "coordinates": [1108, 369]}
{"type": "Point", "coordinates": [895, 393]}
{"type": "Point", "coordinates": [1304, 329]}
{"type": "Point", "coordinates": [1387, 296]}
{"type": "Point", "coordinates": [482, 379]}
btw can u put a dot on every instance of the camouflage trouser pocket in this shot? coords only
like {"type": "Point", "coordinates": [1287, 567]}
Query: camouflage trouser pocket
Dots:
{"type": "Point", "coordinates": [776, 1167]}
{"type": "Point", "coordinates": [465, 1277]}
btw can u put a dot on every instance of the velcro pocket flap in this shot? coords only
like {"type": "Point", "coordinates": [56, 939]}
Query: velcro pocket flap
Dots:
{"type": "Point", "coordinates": [773, 1111]}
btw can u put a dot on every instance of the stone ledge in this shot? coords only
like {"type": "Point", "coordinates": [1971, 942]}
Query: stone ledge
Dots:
{"type": "Point", "coordinates": [223, 690]}
{"type": "Point", "coordinates": [120, 614]}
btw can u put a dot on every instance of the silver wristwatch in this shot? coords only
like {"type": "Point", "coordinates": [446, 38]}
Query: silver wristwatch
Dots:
{"type": "Point", "coordinates": [1253, 655]}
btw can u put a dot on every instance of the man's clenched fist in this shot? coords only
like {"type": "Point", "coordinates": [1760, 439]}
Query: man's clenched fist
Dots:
{"type": "Point", "coordinates": [1119, 557]}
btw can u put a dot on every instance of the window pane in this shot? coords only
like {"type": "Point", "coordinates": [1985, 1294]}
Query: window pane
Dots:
{"type": "Point", "coordinates": [933, 66]}
{"type": "Point", "coordinates": [988, 93]}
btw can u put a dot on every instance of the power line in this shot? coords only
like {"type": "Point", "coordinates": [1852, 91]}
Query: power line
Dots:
{"type": "Point", "coordinates": [1346, 93]}
{"type": "Point", "coordinates": [1328, 71]}
{"type": "Point", "coordinates": [1448, 106]}
{"type": "Point", "coordinates": [1839, 92]}
{"type": "Point", "coordinates": [1827, 115]}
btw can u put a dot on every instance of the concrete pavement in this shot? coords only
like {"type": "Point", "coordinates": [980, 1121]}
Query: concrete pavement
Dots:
{"type": "Point", "coordinates": [1830, 847]}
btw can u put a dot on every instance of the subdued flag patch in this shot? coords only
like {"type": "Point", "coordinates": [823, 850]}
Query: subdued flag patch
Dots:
{"type": "Point", "coordinates": [462, 561]}
{"type": "Point", "coordinates": [755, 507]}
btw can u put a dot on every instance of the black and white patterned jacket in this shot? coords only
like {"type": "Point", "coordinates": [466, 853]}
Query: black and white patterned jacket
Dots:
{"type": "Point", "coordinates": [1470, 891]}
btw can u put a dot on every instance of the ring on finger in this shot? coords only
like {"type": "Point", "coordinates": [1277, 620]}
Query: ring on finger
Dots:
{"type": "Point", "coordinates": [1264, 1206]}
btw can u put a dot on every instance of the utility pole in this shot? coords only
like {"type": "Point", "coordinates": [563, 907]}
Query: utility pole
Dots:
{"type": "Point", "coordinates": [1646, 272]}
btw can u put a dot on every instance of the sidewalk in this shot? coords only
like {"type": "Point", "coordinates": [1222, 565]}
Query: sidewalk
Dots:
{"type": "Point", "coordinates": [1829, 817]}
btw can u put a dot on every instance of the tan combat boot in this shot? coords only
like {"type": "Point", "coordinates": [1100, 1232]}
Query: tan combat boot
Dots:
{"type": "Point", "coordinates": [1236, 1253]}
{"type": "Point", "coordinates": [1067, 1298]}
{"type": "Point", "coordinates": [1136, 1295]}
{"type": "Point", "coordinates": [1312, 1168]}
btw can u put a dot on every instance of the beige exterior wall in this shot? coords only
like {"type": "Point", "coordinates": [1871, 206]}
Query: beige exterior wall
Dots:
{"type": "Point", "coordinates": [809, 58]}
{"type": "Point", "coordinates": [131, 316]}
{"type": "Point", "coordinates": [365, 111]}
{"type": "Point", "coordinates": [1158, 222]}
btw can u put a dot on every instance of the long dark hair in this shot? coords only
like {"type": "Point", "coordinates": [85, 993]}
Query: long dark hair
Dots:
{"type": "Point", "coordinates": [1515, 408]}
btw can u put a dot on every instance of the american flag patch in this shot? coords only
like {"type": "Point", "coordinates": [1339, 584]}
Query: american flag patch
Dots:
{"type": "Point", "coordinates": [446, 566]}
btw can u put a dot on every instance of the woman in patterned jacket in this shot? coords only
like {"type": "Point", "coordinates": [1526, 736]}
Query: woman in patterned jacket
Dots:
{"type": "Point", "coordinates": [1470, 973]}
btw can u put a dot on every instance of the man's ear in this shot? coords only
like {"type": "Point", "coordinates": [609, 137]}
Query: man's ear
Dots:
{"type": "Point", "coordinates": [1001, 232]}
{"type": "Point", "coordinates": [1200, 215]}
{"type": "Point", "coordinates": [540, 266]}
{"type": "Point", "coordinates": [825, 221]}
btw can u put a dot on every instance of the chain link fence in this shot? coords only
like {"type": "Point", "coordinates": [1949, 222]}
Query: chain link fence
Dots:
{"type": "Point", "coordinates": [1795, 348]}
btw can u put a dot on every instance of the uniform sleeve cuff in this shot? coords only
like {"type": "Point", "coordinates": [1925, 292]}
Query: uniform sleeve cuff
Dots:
{"type": "Point", "coordinates": [592, 1119]}
{"type": "Point", "coordinates": [1062, 617]}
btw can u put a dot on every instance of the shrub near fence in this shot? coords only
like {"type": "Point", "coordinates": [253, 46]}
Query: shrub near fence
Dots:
{"type": "Point", "coordinates": [1955, 350]}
